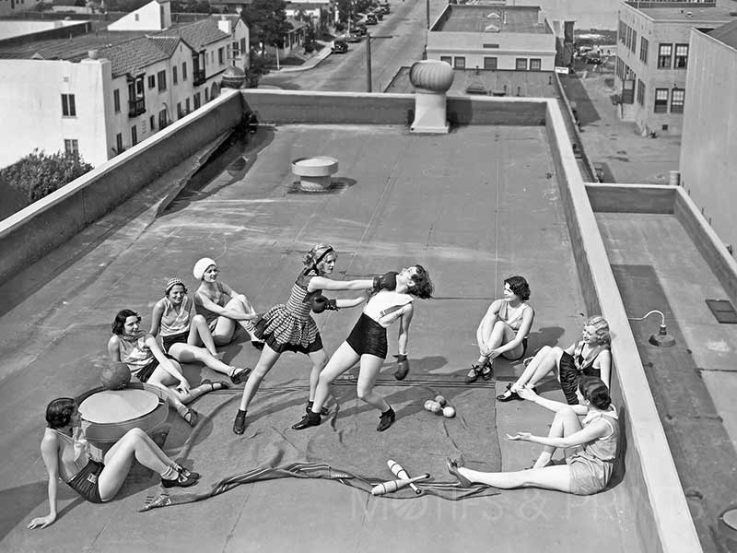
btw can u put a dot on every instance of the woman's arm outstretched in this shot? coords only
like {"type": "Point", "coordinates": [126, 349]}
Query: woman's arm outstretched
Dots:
{"type": "Point", "coordinates": [49, 453]}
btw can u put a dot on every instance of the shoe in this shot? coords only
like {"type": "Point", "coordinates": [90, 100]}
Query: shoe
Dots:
{"type": "Point", "coordinates": [239, 376]}
{"type": "Point", "coordinates": [191, 416]}
{"type": "Point", "coordinates": [453, 466]}
{"type": "Point", "coordinates": [508, 395]}
{"type": "Point", "coordinates": [181, 481]}
{"type": "Point", "coordinates": [189, 473]}
{"type": "Point", "coordinates": [215, 386]}
{"type": "Point", "coordinates": [324, 411]}
{"type": "Point", "coordinates": [487, 371]}
{"type": "Point", "coordinates": [386, 420]}
{"type": "Point", "coordinates": [473, 374]}
{"type": "Point", "coordinates": [310, 419]}
{"type": "Point", "coordinates": [239, 424]}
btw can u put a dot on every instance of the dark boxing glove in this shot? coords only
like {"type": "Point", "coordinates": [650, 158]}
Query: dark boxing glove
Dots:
{"type": "Point", "coordinates": [387, 281]}
{"type": "Point", "coordinates": [321, 303]}
{"type": "Point", "coordinates": [402, 367]}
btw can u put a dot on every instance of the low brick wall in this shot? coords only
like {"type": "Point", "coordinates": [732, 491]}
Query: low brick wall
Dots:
{"type": "Point", "coordinates": [39, 228]}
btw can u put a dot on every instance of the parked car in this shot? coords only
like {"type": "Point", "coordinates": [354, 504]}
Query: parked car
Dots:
{"type": "Point", "coordinates": [371, 19]}
{"type": "Point", "coordinates": [594, 59]}
{"type": "Point", "coordinates": [359, 29]}
{"type": "Point", "coordinates": [339, 47]}
{"type": "Point", "coordinates": [353, 37]}
{"type": "Point", "coordinates": [378, 14]}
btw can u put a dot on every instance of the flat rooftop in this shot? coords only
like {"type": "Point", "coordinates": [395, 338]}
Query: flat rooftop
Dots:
{"type": "Point", "coordinates": [713, 14]}
{"type": "Point", "coordinates": [491, 19]}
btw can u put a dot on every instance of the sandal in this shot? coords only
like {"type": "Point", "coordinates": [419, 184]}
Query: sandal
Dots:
{"type": "Point", "coordinates": [473, 374]}
{"type": "Point", "coordinates": [214, 386]}
{"type": "Point", "coordinates": [453, 466]}
{"type": "Point", "coordinates": [508, 395]}
{"type": "Point", "coordinates": [487, 371]}
{"type": "Point", "coordinates": [191, 417]}
{"type": "Point", "coordinates": [239, 376]}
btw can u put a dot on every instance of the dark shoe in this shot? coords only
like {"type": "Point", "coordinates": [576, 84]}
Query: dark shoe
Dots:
{"type": "Point", "coordinates": [324, 411]}
{"type": "Point", "coordinates": [508, 395]}
{"type": "Point", "coordinates": [215, 386]}
{"type": "Point", "coordinates": [239, 376]}
{"type": "Point", "coordinates": [239, 424]}
{"type": "Point", "coordinates": [181, 481]}
{"type": "Point", "coordinates": [487, 371]}
{"type": "Point", "coordinates": [473, 374]}
{"type": "Point", "coordinates": [453, 466]}
{"type": "Point", "coordinates": [191, 416]}
{"type": "Point", "coordinates": [189, 473]}
{"type": "Point", "coordinates": [310, 419]}
{"type": "Point", "coordinates": [386, 420]}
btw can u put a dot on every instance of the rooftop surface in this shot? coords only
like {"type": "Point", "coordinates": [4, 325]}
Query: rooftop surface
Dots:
{"type": "Point", "coordinates": [711, 14]}
{"type": "Point", "coordinates": [490, 19]}
{"type": "Point", "coordinates": [472, 214]}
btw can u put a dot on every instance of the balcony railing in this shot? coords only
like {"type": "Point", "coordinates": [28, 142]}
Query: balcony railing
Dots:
{"type": "Point", "coordinates": [136, 107]}
{"type": "Point", "coordinates": [199, 77]}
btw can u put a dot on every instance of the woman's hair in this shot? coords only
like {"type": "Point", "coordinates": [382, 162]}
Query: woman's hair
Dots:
{"type": "Point", "coordinates": [601, 329]}
{"type": "Point", "coordinates": [120, 318]}
{"type": "Point", "coordinates": [59, 412]}
{"type": "Point", "coordinates": [316, 255]}
{"type": "Point", "coordinates": [172, 282]}
{"type": "Point", "coordinates": [593, 389]}
{"type": "Point", "coordinates": [423, 287]}
{"type": "Point", "coordinates": [519, 286]}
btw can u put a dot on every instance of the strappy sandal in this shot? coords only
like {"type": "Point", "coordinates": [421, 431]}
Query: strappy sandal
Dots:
{"type": "Point", "coordinates": [191, 417]}
{"type": "Point", "coordinates": [453, 466]}
{"type": "Point", "coordinates": [508, 395]}
{"type": "Point", "coordinates": [239, 376]}
{"type": "Point", "coordinates": [473, 374]}
{"type": "Point", "coordinates": [487, 371]}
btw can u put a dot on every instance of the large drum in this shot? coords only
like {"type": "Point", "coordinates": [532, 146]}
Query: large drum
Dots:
{"type": "Point", "coordinates": [108, 414]}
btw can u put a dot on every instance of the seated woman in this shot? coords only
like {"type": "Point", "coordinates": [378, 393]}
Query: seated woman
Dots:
{"type": "Point", "coordinates": [148, 363]}
{"type": "Point", "coordinates": [183, 335]}
{"type": "Point", "coordinates": [587, 470]}
{"type": "Point", "coordinates": [367, 344]}
{"type": "Point", "coordinates": [67, 454]}
{"type": "Point", "coordinates": [590, 356]}
{"type": "Point", "coordinates": [504, 329]}
{"type": "Point", "coordinates": [222, 306]}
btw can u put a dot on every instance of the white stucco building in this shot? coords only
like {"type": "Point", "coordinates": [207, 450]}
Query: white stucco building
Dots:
{"type": "Point", "coordinates": [100, 93]}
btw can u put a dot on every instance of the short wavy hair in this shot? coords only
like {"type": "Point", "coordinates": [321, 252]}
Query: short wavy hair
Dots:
{"type": "Point", "coordinates": [423, 287]}
{"type": "Point", "coordinates": [519, 286]}
{"type": "Point", "coordinates": [120, 318]}
{"type": "Point", "coordinates": [593, 389]}
{"type": "Point", "coordinates": [316, 255]}
{"type": "Point", "coordinates": [601, 330]}
{"type": "Point", "coordinates": [59, 412]}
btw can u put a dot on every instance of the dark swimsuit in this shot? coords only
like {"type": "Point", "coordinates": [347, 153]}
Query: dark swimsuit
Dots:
{"type": "Point", "coordinates": [368, 337]}
{"type": "Point", "coordinates": [572, 367]}
{"type": "Point", "coordinates": [86, 484]}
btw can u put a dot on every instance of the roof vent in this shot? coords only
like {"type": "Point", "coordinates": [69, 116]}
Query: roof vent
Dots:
{"type": "Point", "coordinates": [491, 28]}
{"type": "Point", "coordinates": [689, 14]}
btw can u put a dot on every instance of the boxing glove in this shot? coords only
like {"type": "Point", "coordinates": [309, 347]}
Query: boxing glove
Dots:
{"type": "Point", "coordinates": [402, 367]}
{"type": "Point", "coordinates": [387, 281]}
{"type": "Point", "coordinates": [320, 303]}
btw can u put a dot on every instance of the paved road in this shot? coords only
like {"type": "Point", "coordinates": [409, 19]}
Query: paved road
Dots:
{"type": "Point", "coordinates": [406, 24]}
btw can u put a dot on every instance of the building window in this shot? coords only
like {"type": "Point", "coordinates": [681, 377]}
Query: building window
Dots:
{"type": "Point", "coordinates": [184, 70]}
{"type": "Point", "coordinates": [677, 98]}
{"type": "Point", "coordinates": [459, 62]}
{"type": "Point", "coordinates": [235, 48]}
{"type": "Point", "coordinates": [661, 100]}
{"type": "Point", "coordinates": [633, 44]}
{"type": "Point", "coordinates": [162, 119]}
{"type": "Point", "coordinates": [180, 114]}
{"type": "Point", "coordinates": [490, 63]}
{"type": "Point", "coordinates": [196, 100]}
{"type": "Point", "coordinates": [628, 90]}
{"type": "Point", "coordinates": [207, 95]}
{"type": "Point", "coordinates": [186, 105]}
{"type": "Point", "coordinates": [174, 75]}
{"type": "Point", "coordinates": [521, 64]}
{"type": "Point", "coordinates": [116, 100]}
{"type": "Point", "coordinates": [665, 51]}
{"type": "Point", "coordinates": [152, 123]}
{"type": "Point", "coordinates": [628, 38]}
{"type": "Point", "coordinates": [644, 45]}
{"type": "Point", "coordinates": [640, 92]}
{"type": "Point", "coordinates": [243, 46]}
{"type": "Point", "coordinates": [162, 80]}
{"type": "Point", "coordinates": [536, 64]}
{"type": "Point", "coordinates": [118, 144]}
{"type": "Point", "coordinates": [221, 55]}
{"type": "Point", "coordinates": [71, 146]}
{"type": "Point", "coordinates": [134, 135]}
{"type": "Point", "coordinates": [447, 59]}
{"type": "Point", "coordinates": [68, 106]}
{"type": "Point", "coordinates": [681, 59]}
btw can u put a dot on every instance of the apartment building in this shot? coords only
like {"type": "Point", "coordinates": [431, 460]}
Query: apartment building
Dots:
{"type": "Point", "coordinates": [653, 60]}
{"type": "Point", "coordinates": [493, 37]}
{"type": "Point", "coordinates": [102, 92]}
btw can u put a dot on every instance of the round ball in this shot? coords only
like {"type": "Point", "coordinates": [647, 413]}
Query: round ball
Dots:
{"type": "Point", "coordinates": [437, 408]}
{"type": "Point", "coordinates": [449, 411]}
{"type": "Point", "coordinates": [428, 405]}
{"type": "Point", "coordinates": [115, 376]}
{"type": "Point", "coordinates": [441, 400]}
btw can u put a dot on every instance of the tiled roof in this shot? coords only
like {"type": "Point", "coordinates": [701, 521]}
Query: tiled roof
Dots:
{"type": "Point", "coordinates": [726, 34]}
{"type": "Point", "coordinates": [198, 34]}
{"type": "Point", "coordinates": [166, 44]}
{"type": "Point", "coordinates": [133, 56]}
{"type": "Point", "coordinates": [71, 49]}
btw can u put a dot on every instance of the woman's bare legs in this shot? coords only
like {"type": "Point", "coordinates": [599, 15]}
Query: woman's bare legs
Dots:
{"type": "Point", "coordinates": [342, 360]}
{"type": "Point", "coordinates": [319, 361]}
{"type": "Point", "coordinates": [199, 334]}
{"type": "Point", "coordinates": [265, 362]}
{"type": "Point", "coordinates": [135, 444]}
{"type": "Point", "coordinates": [545, 361]}
{"type": "Point", "coordinates": [162, 379]}
{"type": "Point", "coordinates": [187, 353]}
{"type": "Point", "coordinates": [225, 327]}
{"type": "Point", "coordinates": [370, 366]}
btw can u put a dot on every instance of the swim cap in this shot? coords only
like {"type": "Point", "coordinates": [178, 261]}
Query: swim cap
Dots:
{"type": "Point", "coordinates": [201, 266]}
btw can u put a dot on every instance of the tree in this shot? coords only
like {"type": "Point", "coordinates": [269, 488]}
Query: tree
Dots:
{"type": "Point", "coordinates": [267, 21]}
{"type": "Point", "coordinates": [39, 174]}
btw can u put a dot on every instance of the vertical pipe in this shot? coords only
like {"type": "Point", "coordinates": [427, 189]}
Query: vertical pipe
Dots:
{"type": "Point", "coordinates": [368, 62]}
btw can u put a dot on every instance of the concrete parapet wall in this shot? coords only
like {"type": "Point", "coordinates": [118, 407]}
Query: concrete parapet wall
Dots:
{"type": "Point", "coordinates": [292, 107]}
{"type": "Point", "coordinates": [653, 488]}
{"type": "Point", "coordinates": [631, 198]}
{"type": "Point", "coordinates": [34, 231]}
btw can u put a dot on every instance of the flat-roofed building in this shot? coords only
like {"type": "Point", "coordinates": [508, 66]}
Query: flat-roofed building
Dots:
{"type": "Point", "coordinates": [708, 162]}
{"type": "Point", "coordinates": [100, 93]}
{"type": "Point", "coordinates": [653, 58]}
{"type": "Point", "coordinates": [492, 37]}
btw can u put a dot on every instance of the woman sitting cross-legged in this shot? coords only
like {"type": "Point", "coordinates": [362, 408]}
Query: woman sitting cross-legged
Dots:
{"type": "Point", "coordinates": [590, 356]}
{"type": "Point", "coordinates": [185, 337]}
{"type": "Point", "coordinates": [588, 467]}
{"type": "Point", "coordinates": [67, 455]}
